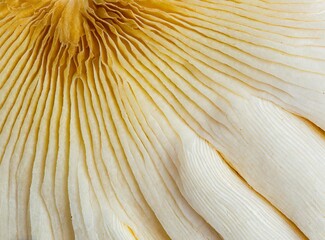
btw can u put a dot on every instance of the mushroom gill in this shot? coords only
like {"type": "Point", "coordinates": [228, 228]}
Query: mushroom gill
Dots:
{"type": "Point", "coordinates": [162, 119]}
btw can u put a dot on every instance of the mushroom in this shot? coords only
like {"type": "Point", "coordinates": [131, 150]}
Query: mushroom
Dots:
{"type": "Point", "coordinates": [162, 119]}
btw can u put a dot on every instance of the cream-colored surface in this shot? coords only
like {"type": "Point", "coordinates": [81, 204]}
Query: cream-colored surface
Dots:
{"type": "Point", "coordinates": [162, 119]}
